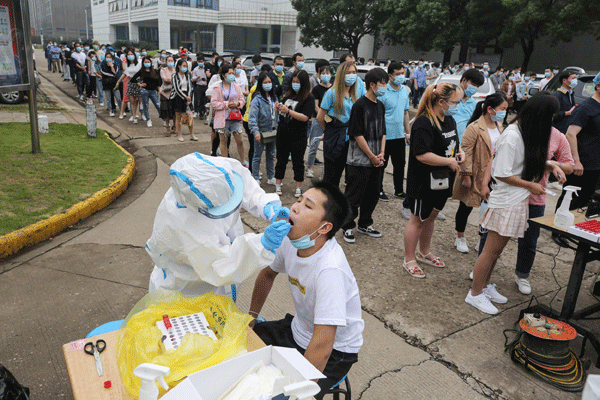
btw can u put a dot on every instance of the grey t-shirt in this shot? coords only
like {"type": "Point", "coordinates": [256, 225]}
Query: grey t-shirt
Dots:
{"type": "Point", "coordinates": [367, 119]}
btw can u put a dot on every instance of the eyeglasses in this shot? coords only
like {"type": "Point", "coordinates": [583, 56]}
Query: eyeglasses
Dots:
{"type": "Point", "coordinates": [451, 102]}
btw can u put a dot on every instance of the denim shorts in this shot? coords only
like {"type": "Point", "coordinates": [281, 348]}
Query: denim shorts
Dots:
{"type": "Point", "coordinates": [231, 127]}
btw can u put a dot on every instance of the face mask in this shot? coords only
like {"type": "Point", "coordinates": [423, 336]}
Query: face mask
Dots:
{"type": "Point", "coordinates": [399, 80]}
{"type": "Point", "coordinates": [104, 49]}
{"type": "Point", "coordinates": [573, 83]}
{"type": "Point", "coordinates": [547, 74]}
{"type": "Point", "coordinates": [305, 241]}
{"type": "Point", "coordinates": [452, 109]}
{"type": "Point", "coordinates": [267, 87]}
{"type": "Point", "coordinates": [86, 48]}
{"type": "Point", "coordinates": [201, 64]}
{"type": "Point", "coordinates": [55, 44]}
{"type": "Point", "coordinates": [123, 48]}
{"type": "Point", "coordinates": [183, 69]}
{"type": "Point", "coordinates": [78, 49]}
{"type": "Point", "coordinates": [447, 72]}
{"type": "Point", "coordinates": [93, 58]}
{"type": "Point", "coordinates": [470, 90]}
{"type": "Point", "coordinates": [486, 67]}
{"type": "Point", "coordinates": [412, 66]}
{"type": "Point", "coordinates": [380, 91]}
{"type": "Point", "coordinates": [170, 64]}
{"type": "Point", "coordinates": [279, 68]}
{"type": "Point", "coordinates": [300, 64]}
{"type": "Point", "coordinates": [499, 116]}
{"type": "Point", "coordinates": [131, 58]}
{"type": "Point", "coordinates": [109, 60]}
{"type": "Point", "coordinates": [466, 68]}
{"type": "Point", "coordinates": [257, 67]}
{"type": "Point", "coordinates": [230, 78]}
{"type": "Point", "coordinates": [147, 65]}
{"type": "Point", "coordinates": [325, 78]}
{"type": "Point", "coordinates": [526, 79]}
{"type": "Point", "coordinates": [95, 47]}
{"type": "Point", "coordinates": [350, 79]}
{"type": "Point", "coordinates": [556, 71]}
{"type": "Point", "coordinates": [219, 63]}
{"type": "Point", "coordinates": [102, 58]}
{"type": "Point", "coordinates": [137, 53]}
{"type": "Point", "coordinates": [511, 78]}
{"type": "Point", "coordinates": [144, 53]}
{"type": "Point", "coordinates": [296, 87]}
{"type": "Point", "coordinates": [420, 66]}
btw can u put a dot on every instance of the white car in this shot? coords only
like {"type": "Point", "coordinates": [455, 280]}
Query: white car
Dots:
{"type": "Point", "coordinates": [484, 90]}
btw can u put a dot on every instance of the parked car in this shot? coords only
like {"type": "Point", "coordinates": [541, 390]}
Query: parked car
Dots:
{"type": "Point", "coordinates": [583, 90]}
{"type": "Point", "coordinates": [16, 97]}
{"type": "Point", "coordinates": [484, 90]}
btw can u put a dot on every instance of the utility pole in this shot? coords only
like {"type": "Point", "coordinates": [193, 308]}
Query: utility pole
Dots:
{"type": "Point", "coordinates": [87, 36]}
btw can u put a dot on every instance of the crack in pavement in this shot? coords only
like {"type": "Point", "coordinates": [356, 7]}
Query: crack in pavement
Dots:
{"type": "Point", "coordinates": [388, 372]}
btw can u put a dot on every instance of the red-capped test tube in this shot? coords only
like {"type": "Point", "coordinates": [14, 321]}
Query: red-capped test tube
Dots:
{"type": "Point", "coordinates": [167, 323]}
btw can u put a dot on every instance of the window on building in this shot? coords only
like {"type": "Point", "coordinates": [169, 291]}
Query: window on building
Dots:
{"type": "Point", "coordinates": [148, 34]}
{"type": "Point", "coordinates": [275, 34]}
{"type": "Point", "coordinates": [208, 3]}
{"type": "Point", "coordinates": [199, 3]}
{"type": "Point", "coordinates": [122, 32]}
{"type": "Point", "coordinates": [184, 3]}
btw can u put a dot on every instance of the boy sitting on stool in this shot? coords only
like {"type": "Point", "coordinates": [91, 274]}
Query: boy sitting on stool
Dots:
{"type": "Point", "coordinates": [328, 326]}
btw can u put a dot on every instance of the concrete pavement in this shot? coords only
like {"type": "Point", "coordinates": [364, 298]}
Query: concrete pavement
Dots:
{"type": "Point", "coordinates": [421, 339]}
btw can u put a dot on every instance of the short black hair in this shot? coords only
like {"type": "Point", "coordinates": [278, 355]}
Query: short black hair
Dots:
{"type": "Point", "coordinates": [321, 62]}
{"type": "Point", "coordinates": [256, 58]}
{"type": "Point", "coordinates": [336, 205]}
{"type": "Point", "coordinates": [214, 53]}
{"type": "Point", "coordinates": [565, 75]}
{"type": "Point", "coordinates": [344, 56]}
{"type": "Point", "coordinates": [199, 57]}
{"type": "Point", "coordinates": [266, 68]}
{"type": "Point", "coordinates": [375, 76]}
{"type": "Point", "coordinates": [296, 55]}
{"type": "Point", "coordinates": [476, 77]}
{"type": "Point", "coordinates": [394, 66]}
{"type": "Point", "coordinates": [278, 58]}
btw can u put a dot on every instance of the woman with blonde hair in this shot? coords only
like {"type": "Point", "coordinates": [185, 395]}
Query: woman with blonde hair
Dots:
{"type": "Point", "coordinates": [333, 116]}
{"type": "Point", "coordinates": [434, 157]}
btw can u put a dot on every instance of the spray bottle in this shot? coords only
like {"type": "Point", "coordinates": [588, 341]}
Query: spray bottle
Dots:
{"type": "Point", "coordinates": [148, 373]}
{"type": "Point", "coordinates": [563, 218]}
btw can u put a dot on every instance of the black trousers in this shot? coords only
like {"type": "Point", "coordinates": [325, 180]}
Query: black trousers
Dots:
{"type": "Point", "coordinates": [587, 182]}
{"type": "Point", "coordinates": [251, 141]}
{"type": "Point", "coordinates": [288, 143]}
{"type": "Point", "coordinates": [362, 192]}
{"type": "Point", "coordinates": [462, 215]}
{"type": "Point", "coordinates": [396, 150]}
{"type": "Point", "coordinates": [279, 333]}
{"type": "Point", "coordinates": [333, 168]}
{"type": "Point", "coordinates": [91, 86]}
{"type": "Point", "coordinates": [200, 99]}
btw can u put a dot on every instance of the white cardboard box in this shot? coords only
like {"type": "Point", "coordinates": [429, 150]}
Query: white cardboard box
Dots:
{"type": "Point", "coordinates": [212, 382]}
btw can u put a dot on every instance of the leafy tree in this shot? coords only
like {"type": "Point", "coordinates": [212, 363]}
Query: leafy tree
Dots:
{"type": "Point", "coordinates": [560, 20]}
{"type": "Point", "coordinates": [337, 24]}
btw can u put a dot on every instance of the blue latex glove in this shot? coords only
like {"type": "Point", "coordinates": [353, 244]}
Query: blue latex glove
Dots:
{"type": "Point", "coordinates": [274, 212]}
{"type": "Point", "coordinates": [274, 235]}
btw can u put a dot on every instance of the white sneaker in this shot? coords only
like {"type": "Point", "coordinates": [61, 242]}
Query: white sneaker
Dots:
{"type": "Point", "coordinates": [471, 275]}
{"type": "Point", "coordinates": [149, 124]}
{"type": "Point", "coordinates": [461, 245]}
{"type": "Point", "coordinates": [219, 151]}
{"type": "Point", "coordinates": [492, 294]}
{"type": "Point", "coordinates": [195, 115]}
{"type": "Point", "coordinates": [112, 114]}
{"type": "Point", "coordinates": [298, 192]}
{"type": "Point", "coordinates": [523, 284]}
{"type": "Point", "coordinates": [143, 117]}
{"type": "Point", "coordinates": [81, 98]}
{"type": "Point", "coordinates": [101, 104]}
{"type": "Point", "coordinates": [310, 173]}
{"type": "Point", "coordinates": [349, 236]}
{"type": "Point", "coordinates": [277, 189]}
{"type": "Point", "coordinates": [260, 175]}
{"type": "Point", "coordinates": [482, 303]}
{"type": "Point", "coordinates": [406, 213]}
{"type": "Point", "coordinates": [135, 121]}
{"type": "Point", "coordinates": [441, 216]}
{"type": "Point", "coordinates": [131, 119]}
{"type": "Point", "coordinates": [164, 123]}
{"type": "Point", "coordinates": [271, 181]}
{"type": "Point", "coordinates": [476, 248]}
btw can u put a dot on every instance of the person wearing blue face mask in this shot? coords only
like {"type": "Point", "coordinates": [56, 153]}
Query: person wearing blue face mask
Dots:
{"type": "Point", "coordinates": [298, 60]}
{"type": "Point", "coordinates": [240, 77]}
{"type": "Point", "coordinates": [80, 64]}
{"type": "Point", "coordinates": [328, 326]}
{"type": "Point", "coordinates": [297, 108]}
{"type": "Point", "coordinates": [333, 115]}
{"type": "Point", "coordinates": [565, 97]}
{"type": "Point", "coordinates": [397, 126]}
{"type": "Point", "coordinates": [548, 75]}
{"type": "Point", "coordinates": [434, 158]}
{"type": "Point", "coordinates": [419, 83]}
{"type": "Point", "coordinates": [366, 150]}
{"type": "Point", "coordinates": [181, 97]}
{"type": "Point", "coordinates": [132, 93]}
{"type": "Point", "coordinates": [360, 85]}
{"type": "Point", "coordinates": [148, 80]}
{"type": "Point", "coordinates": [277, 76]}
{"type": "Point", "coordinates": [200, 82]}
{"type": "Point", "coordinates": [257, 61]}
{"type": "Point", "coordinates": [316, 130]}
{"type": "Point", "coordinates": [523, 88]}
{"type": "Point", "coordinates": [469, 83]}
{"type": "Point", "coordinates": [92, 60]}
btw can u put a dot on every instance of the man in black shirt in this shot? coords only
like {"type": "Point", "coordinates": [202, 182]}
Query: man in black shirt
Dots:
{"type": "Point", "coordinates": [564, 94]}
{"type": "Point", "coordinates": [211, 67]}
{"type": "Point", "coordinates": [365, 155]}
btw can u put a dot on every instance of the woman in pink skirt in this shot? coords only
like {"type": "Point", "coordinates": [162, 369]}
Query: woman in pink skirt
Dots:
{"type": "Point", "coordinates": [518, 166]}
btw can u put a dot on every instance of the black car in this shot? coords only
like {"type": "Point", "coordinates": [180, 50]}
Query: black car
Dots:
{"type": "Point", "coordinates": [583, 90]}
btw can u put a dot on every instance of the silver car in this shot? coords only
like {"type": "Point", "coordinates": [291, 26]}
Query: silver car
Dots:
{"type": "Point", "coordinates": [484, 90]}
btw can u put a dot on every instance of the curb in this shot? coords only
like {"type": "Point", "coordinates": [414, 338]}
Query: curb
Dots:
{"type": "Point", "coordinates": [35, 233]}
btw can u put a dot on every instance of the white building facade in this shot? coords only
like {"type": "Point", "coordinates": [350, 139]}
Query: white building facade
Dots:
{"type": "Point", "coordinates": [240, 26]}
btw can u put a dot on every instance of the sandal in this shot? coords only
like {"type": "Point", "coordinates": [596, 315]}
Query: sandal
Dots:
{"type": "Point", "coordinates": [180, 139]}
{"type": "Point", "coordinates": [436, 262]}
{"type": "Point", "coordinates": [414, 271]}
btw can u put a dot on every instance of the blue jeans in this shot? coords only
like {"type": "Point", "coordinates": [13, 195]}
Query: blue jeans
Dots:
{"type": "Point", "coordinates": [152, 95]}
{"type": "Point", "coordinates": [100, 91]}
{"type": "Point", "coordinates": [527, 244]}
{"type": "Point", "coordinates": [270, 156]}
{"type": "Point", "coordinates": [314, 138]}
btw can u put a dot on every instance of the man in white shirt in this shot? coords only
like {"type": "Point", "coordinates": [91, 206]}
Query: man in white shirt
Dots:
{"type": "Point", "coordinates": [328, 325]}
{"type": "Point", "coordinates": [548, 75]}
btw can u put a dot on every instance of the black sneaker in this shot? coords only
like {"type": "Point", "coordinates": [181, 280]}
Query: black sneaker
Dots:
{"type": "Point", "coordinates": [318, 162]}
{"type": "Point", "coordinates": [369, 231]}
{"type": "Point", "coordinates": [383, 197]}
{"type": "Point", "coordinates": [399, 195]}
{"type": "Point", "coordinates": [349, 236]}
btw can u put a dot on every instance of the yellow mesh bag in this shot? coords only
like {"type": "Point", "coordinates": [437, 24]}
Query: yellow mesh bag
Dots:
{"type": "Point", "coordinates": [139, 341]}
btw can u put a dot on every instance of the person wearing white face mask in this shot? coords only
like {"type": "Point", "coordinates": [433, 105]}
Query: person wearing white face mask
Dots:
{"type": "Point", "coordinates": [397, 127]}
{"type": "Point", "coordinates": [328, 326]}
{"type": "Point", "coordinates": [316, 130]}
{"type": "Point", "coordinates": [565, 97]}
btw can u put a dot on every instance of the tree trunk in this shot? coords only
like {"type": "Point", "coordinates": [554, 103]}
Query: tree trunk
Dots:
{"type": "Point", "coordinates": [447, 56]}
{"type": "Point", "coordinates": [354, 47]}
{"type": "Point", "coordinates": [528, 47]}
{"type": "Point", "coordinates": [464, 51]}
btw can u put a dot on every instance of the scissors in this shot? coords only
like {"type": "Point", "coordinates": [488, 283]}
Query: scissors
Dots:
{"type": "Point", "coordinates": [95, 350]}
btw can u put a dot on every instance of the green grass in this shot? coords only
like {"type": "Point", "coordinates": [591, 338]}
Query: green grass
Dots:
{"type": "Point", "coordinates": [71, 168]}
{"type": "Point", "coordinates": [152, 53]}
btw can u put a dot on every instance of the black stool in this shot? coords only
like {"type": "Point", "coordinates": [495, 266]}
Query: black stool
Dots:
{"type": "Point", "coordinates": [336, 390]}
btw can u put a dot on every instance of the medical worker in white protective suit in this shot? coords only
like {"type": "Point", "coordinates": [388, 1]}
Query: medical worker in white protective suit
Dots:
{"type": "Point", "coordinates": [198, 242]}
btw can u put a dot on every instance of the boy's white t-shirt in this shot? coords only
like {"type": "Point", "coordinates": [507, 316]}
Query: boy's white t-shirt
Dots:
{"type": "Point", "coordinates": [508, 161]}
{"type": "Point", "coordinates": [325, 292]}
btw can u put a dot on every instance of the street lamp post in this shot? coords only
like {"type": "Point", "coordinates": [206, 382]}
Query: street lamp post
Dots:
{"type": "Point", "coordinates": [86, 26]}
